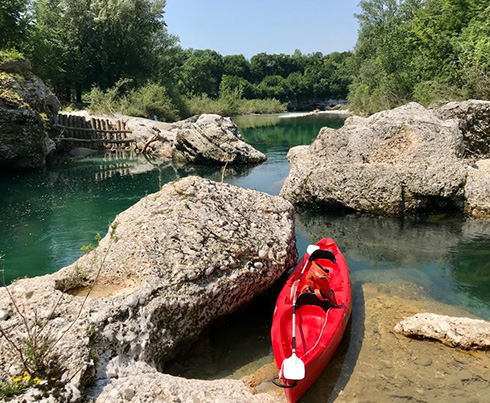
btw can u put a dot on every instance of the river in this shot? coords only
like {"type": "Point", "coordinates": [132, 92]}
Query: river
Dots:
{"type": "Point", "coordinates": [47, 215]}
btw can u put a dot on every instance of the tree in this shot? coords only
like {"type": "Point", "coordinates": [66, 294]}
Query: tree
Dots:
{"type": "Point", "coordinates": [78, 43]}
{"type": "Point", "coordinates": [236, 65]}
{"type": "Point", "coordinates": [236, 85]}
{"type": "Point", "coordinates": [201, 73]}
{"type": "Point", "coordinates": [14, 21]}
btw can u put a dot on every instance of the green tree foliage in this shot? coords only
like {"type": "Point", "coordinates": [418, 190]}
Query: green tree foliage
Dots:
{"type": "Point", "coordinates": [78, 43]}
{"type": "Point", "coordinates": [119, 51]}
{"type": "Point", "coordinates": [236, 65]}
{"type": "Point", "coordinates": [14, 21]}
{"type": "Point", "coordinates": [201, 72]}
{"type": "Point", "coordinates": [423, 50]}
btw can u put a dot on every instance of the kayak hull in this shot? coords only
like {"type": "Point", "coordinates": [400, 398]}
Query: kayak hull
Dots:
{"type": "Point", "coordinates": [319, 329]}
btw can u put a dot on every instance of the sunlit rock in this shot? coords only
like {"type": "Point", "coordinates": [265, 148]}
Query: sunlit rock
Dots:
{"type": "Point", "coordinates": [397, 162]}
{"type": "Point", "coordinates": [474, 121]}
{"type": "Point", "coordinates": [176, 260]}
{"type": "Point", "coordinates": [464, 333]}
{"type": "Point", "coordinates": [477, 188]}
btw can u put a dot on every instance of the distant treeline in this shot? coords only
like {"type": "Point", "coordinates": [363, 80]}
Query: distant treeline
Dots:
{"type": "Point", "coordinates": [117, 55]}
{"type": "Point", "coordinates": [113, 53]}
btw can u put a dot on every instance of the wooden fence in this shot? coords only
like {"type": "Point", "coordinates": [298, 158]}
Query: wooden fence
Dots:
{"type": "Point", "coordinates": [96, 133]}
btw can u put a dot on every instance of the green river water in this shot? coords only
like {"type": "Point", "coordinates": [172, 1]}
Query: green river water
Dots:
{"type": "Point", "coordinates": [46, 215]}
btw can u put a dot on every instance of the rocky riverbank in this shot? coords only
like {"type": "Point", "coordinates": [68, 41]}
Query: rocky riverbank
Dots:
{"type": "Point", "coordinates": [28, 111]}
{"type": "Point", "coordinates": [402, 161]}
{"type": "Point", "coordinates": [203, 139]}
{"type": "Point", "coordinates": [170, 265]}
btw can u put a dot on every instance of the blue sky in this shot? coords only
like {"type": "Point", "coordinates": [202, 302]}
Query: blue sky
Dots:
{"type": "Point", "coordinates": [272, 26]}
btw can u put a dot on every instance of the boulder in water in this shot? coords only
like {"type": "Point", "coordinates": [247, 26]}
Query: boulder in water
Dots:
{"type": "Point", "coordinates": [171, 264]}
{"type": "Point", "coordinates": [399, 161]}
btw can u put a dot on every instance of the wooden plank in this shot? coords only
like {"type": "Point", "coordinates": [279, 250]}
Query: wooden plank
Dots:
{"type": "Point", "coordinates": [93, 134]}
{"type": "Point", "coordinates": [103, 134]}
{"type": "Point", "coordinates": [74, 139]}
{"type": "Point", "coordinates": [68, 128]}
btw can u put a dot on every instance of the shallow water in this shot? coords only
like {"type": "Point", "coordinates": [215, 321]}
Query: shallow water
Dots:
{"type": "Point", "coordinates": [47, 215]}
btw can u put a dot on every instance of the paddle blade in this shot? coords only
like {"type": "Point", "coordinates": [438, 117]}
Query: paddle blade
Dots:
{"type": "Point", "coordinates": [293, 368]}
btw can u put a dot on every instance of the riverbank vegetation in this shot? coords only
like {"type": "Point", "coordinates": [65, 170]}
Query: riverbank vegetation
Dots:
{"type": "Point", "coordinates": [85, 50]}
{"type": "Point", "coordinates": [119, 56]}
{"type": "Point", "coordinates": [420, 50]}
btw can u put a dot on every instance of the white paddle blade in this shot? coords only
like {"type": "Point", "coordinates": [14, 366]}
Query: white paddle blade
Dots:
{"type": "Point", "coordinates": [293, 368]}
{"type": "Point", "coordinates": [312, 248]}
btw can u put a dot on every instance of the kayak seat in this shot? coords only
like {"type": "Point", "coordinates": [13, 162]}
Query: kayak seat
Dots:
{"type": "Point", "coordinates": [322, 254]}
{"type": "Point", "coordinates": [310, 298]}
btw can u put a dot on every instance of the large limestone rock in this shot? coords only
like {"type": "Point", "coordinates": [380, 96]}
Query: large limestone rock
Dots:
{"type": "Point", "coordinates": [27, 112]}
{"type": "Point", "coordinates": [464, 333]}
{"type": "Point", "coordinates": [474, 122]}
{"type": "Point", "coordinates": [178, 259]}
{"type": "Point", "coordinates": [477, 189]}
{"type": "Point", "coordinates": [396, 162]}
{"type": "Point", "coordinates": [213, 139]}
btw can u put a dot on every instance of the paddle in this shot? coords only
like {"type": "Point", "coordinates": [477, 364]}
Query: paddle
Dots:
{"type": "Point", "coordinates": [293, 367]}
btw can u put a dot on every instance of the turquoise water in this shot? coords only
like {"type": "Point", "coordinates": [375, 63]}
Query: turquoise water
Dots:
{"type": "Point", "coordinates": [47, 215]}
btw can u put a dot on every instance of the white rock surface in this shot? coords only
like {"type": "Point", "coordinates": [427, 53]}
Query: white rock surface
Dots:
{"type": "Point", "coordinates": [464, 333]}
{"type": "Point", "coordinates": [398, 161]}
{"type": "Point", "coordinates": [142, 384]}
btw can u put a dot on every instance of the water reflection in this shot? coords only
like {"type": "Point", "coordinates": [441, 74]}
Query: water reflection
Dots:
{"type": "Point", "coordinates": [448, 257]}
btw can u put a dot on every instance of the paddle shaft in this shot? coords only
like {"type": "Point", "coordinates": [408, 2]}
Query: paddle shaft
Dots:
{"type": "Point", "coordinates": [294, 307]}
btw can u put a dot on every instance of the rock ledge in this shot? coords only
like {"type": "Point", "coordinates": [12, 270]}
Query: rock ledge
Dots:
{"type": "Point", "coordinates": [464, 333]}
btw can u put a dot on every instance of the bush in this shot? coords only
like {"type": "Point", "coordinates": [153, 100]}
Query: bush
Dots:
{"type": "Point", "coordinates": [230, 103]}
{"type": "Point", "coordinates": [148, 101]}
{"type": "Point", "coordinates": [152, 100]}
{"type": "Point", "coordinates": [429, 93]}
{"type": "Point", "coordinates": [9, 55]}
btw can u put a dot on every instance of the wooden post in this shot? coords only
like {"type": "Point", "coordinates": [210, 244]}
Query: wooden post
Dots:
{"type": "Point", "coordinates": [103, 127]}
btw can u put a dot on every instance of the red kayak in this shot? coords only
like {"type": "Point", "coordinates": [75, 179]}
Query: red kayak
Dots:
{"type": "Point", "coordinates": [320, 319]}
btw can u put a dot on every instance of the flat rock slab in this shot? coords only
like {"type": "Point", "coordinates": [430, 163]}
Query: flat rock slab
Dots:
{"type": "Point", "coordinates": [464, 333]}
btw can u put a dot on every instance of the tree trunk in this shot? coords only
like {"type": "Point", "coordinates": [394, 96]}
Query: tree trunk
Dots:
{"type": "Point", "coordinates": [79, 94]}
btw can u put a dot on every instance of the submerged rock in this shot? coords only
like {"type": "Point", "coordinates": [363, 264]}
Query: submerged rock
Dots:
{"type": "Point", "coordinates": [178, 259]}
{"type": "Point", "coordinates": [375, 364]}
{"type": "Point", "coordinates": [399, 161]}
{"type": "Point", "coordinates": [464, 333]}
{"type": "Point", "coordinates": [28, 111]}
